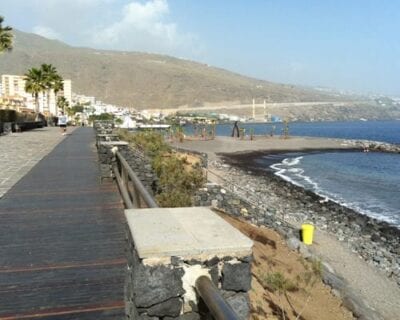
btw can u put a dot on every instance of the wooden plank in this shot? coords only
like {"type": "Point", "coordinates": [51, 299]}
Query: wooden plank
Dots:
{"type": "Point", "coordinates": [62, 239]}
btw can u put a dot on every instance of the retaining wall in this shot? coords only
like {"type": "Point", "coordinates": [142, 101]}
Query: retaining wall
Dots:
{"type": "Point", "coordinates": [162, 290]}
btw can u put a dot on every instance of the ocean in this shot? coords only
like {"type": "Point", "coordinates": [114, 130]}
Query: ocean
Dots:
{"type": "Point", "coordinates": [386, 131]}
{"type": "Point", "coordinates": [366, 182]}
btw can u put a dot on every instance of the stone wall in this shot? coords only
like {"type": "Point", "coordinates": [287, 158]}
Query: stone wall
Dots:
{"type": "Point", "coordinates": [165, 289]}
{"type": "Point", "coordinates": [142, 166]}
{"type": "Point", "coordinates": [139, 162]}
{"type": "Point", "coordinates": [103, 126]}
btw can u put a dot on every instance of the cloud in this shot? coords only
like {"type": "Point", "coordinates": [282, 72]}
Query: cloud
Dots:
{"type": "Point", "coordinates": [46, 32]}
{"type": "Point", "coordinates": [129, 25]}
{"type": "Point", "coordinates": [144, 26]}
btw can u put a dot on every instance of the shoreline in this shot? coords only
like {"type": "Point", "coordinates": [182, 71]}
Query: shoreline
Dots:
{"type": "Point", "coordinates": [376, 241]}
{"type": "Point", "coordinates": [247, 162]}
{"type": "Point", "coordinates": [278, 156]}
{"type": "Point", "coordinates": [362, 251]}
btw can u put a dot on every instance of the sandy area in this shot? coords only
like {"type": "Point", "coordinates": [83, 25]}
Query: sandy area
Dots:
{"type": "Point", "coordinates": [233, 145]}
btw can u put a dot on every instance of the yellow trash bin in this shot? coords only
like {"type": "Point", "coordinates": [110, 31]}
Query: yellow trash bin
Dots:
{"type": "Point", "coordinates": [307, 233]}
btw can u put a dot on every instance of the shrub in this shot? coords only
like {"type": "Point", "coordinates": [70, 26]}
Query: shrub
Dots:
{"type": "Point", "coordinates": [177, 179]}
{"type": "Point", "coordinates": [177, 183]}
{"type": "Point", "coordinates": [276, 281]}
{"type": "Point", "coordinates": [150, 142]}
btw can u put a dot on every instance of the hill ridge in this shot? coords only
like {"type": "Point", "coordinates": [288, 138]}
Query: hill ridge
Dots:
{"type": "Point", "coordinates": [146, 80]}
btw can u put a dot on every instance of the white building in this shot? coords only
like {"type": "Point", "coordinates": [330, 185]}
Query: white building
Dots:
{"type": "Point", "coordinates": [82, 99]}
{"type": "Point", "coordinates": [67, 91]}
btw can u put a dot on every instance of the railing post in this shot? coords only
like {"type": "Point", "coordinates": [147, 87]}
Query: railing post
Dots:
{"type": "Point", "coordinates": [124, 177]}
{"type": "Point", "coordinates": [136, 197]}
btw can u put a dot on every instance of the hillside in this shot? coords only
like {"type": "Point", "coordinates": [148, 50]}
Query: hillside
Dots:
{"type": "Point", "coordinates": [142, 80]}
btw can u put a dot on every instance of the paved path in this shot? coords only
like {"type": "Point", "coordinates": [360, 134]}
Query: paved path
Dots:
{"type": "Point", "coordinates": [21, 151]}
{"type": "Point", "coordinates": [62, 239]}
{"type": "Point", "coordinates": [372, 287]}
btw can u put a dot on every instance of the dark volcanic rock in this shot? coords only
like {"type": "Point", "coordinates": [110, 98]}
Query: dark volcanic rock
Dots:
{"type": "Point", "coordinates": [156, 284]}
{"type": "Point", "coordinates": [236, 277]}
{"type": "Point", "coordinates": [171, 307]}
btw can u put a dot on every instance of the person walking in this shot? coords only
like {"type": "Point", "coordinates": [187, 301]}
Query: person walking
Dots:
{"type": "Point", "coordinates": [62, 122]}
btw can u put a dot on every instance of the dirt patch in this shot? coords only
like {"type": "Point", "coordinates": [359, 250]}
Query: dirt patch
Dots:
{"type": "Point", "coordinates": [190, 159]}
{"type": "Point", "coordinates": [284, 285]}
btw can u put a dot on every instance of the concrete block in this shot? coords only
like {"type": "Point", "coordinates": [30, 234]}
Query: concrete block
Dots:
{"type": "Point", "coordinates": [166, 232]}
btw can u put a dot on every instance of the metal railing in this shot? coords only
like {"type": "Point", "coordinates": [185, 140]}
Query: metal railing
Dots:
{"type": "Point", "coordinates": [135, 195]}
{"type": "Point", "coordinates": [211, 296]}
{"type": "Point", "coordinates": [133, 192]}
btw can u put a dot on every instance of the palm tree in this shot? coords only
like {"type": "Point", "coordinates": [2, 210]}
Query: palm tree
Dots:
{"type": "Point", "coordinates": [6, 37]}
{"type": "Point", "coordinates": [62, 103]}
{"type": "Point", "coordinates": [34, 84]}
{"type": "Point", "coordinates": [58, 85]}
{"type": "Point", "coordinates": [50, 77]}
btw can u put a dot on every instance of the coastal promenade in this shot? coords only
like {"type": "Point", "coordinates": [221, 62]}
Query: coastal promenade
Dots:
{"type": "Point", "coordinates": [62, 231]}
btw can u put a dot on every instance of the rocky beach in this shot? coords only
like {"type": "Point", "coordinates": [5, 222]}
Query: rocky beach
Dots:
{"type": "Point", "coordinates": [362, 251]}
{"type": "Point", "coordinates": [375, 241]}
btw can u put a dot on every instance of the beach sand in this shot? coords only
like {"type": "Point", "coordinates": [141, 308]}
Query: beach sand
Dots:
{"type": "Point", "coordinates": [261, 143]}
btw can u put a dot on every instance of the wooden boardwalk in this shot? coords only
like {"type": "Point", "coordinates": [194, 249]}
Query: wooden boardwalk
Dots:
{"type": "Point", "coordinates": [62, 239]}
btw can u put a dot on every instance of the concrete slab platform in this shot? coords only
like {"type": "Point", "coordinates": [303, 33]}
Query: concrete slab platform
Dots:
{"type": "Point", "coordinates": [184, 232]}
{"type": "Point", "coordinates": [113, 143]}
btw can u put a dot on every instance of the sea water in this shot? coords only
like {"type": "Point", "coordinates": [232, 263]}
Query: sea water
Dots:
{"type": "Point", "coordinates": [366, 182]}
{"type": "Point", "coordinates": [386, 131]}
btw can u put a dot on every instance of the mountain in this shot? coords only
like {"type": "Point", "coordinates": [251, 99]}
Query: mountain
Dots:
{"type": "Point", "coordinates": [143, 80]}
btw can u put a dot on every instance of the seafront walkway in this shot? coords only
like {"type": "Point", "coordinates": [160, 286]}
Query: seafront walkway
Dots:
{"type": "Point", "coordinates": [61, 230]}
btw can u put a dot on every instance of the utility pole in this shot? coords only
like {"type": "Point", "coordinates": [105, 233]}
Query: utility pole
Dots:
{"type": "Point", "coordinates": [254, 109]}
{"type": "Point", "coordinates": [265, 109]}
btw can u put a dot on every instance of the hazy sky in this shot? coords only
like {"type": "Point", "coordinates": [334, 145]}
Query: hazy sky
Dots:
{"type": "Point", "coordinates": [344, 44]}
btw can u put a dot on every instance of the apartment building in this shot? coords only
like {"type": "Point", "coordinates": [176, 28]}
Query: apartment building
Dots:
{"type": "Point", "coordinates": [67, 92]}
{"type": "Point", "coordinates": [13, 86]}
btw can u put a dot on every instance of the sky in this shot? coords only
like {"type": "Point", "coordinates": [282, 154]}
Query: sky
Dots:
{"type": "Point", "coordinates": [351, 45]}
